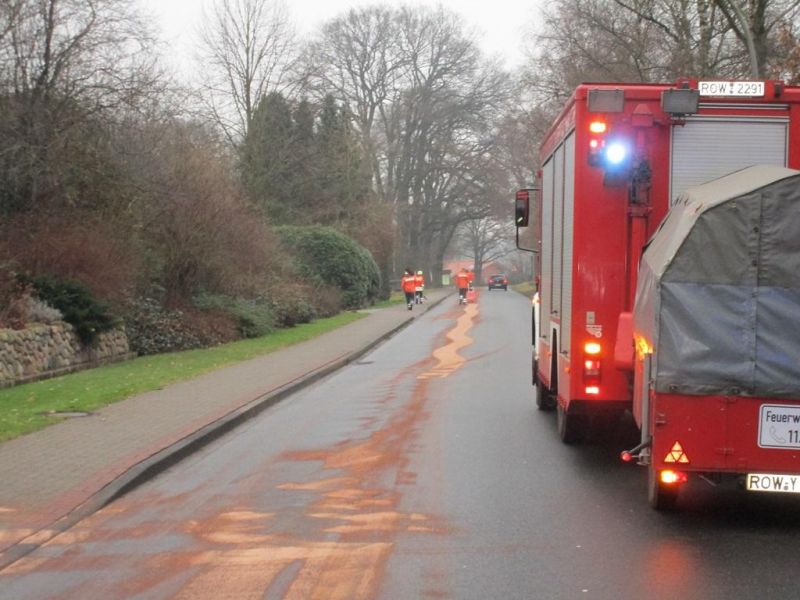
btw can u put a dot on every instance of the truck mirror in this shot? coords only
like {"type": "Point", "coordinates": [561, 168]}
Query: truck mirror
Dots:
{"type": "Point", "coordinates": [522, 208]}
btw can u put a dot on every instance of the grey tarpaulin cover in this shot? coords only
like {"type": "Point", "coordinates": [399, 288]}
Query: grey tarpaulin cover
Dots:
{"type": "Point", "coordinates": [718, 294]}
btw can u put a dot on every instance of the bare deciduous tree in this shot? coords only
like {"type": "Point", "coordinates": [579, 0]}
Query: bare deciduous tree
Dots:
{"type": "Point", "coordinates": [248, 50]}
{"type": "Point", "coordinates": [785, 64]}
{"type": "Point", "coordinates": [656, 40]}
{"type": "Point", "coordinates": [424, 101]}
{"type": "Point", "coordinates": [93, 52]}
{"type": "Point", "coordinates": [358, 59]}
{"type": "Point", "coordinates": [692, 33]}
{"type": "Point", "coordinates": [626, 40]}
{"type": "Point", "coordinates": [64, 66]}
{"type": "Point", "coordinates": [754, 23]}
{"type": "Point", "coordinates": [486, 240]}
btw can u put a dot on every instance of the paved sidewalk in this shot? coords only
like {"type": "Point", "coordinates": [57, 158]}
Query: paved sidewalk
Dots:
{"type": "Point", "coordinates": [52, 478]}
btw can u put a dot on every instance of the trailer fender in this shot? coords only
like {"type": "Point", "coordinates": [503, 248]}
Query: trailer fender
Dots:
{"type": "Point", "coordinates": [623, 347]}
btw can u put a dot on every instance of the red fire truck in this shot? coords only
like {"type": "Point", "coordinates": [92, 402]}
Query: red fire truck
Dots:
{"type": "Point", "coordinates": [617, 159]}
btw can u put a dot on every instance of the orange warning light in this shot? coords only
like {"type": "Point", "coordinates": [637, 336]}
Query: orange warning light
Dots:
{"type": "Point", "coordinates": [677, 455]}
{"type": "Point", "coordinates": [598, 127]}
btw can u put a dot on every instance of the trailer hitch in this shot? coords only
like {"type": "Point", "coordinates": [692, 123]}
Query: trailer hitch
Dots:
{"type": "Point", "coordinates": [629, 455]}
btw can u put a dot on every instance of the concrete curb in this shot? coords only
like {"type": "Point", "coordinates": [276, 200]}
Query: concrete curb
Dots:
{"type": "Point", "coordinates": [174, 453]}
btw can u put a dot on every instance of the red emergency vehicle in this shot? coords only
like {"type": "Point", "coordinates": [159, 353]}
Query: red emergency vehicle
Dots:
{"type": "Point", "coordinates": [615, 161]}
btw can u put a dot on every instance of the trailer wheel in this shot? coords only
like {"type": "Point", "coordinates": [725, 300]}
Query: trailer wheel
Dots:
{"type": "Point", "coordinates": [659, 495]}
{"type": "Point", "coordinates": [571, 427]}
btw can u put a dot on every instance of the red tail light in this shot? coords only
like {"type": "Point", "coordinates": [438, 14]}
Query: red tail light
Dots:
{"type": "Point", "coordinates": [592, 368]}
{"type": "Point", "coordinates": [670, 477]}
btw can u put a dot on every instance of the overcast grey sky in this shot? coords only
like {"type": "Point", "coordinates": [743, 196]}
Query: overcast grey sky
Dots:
{"type": "Point", "coordinates": [501, 24]}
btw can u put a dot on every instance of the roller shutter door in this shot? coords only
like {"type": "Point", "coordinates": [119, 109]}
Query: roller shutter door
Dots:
{"type": "Point", "coordinates": [707, 148]}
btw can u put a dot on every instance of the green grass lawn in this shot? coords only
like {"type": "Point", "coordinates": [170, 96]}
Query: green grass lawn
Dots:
{"type": "Point", "coordinates": [526, 288]}
{"type": "Point", "coordinates": [22, 407]}
{"type": "Point", "coordinates": [394, 299]}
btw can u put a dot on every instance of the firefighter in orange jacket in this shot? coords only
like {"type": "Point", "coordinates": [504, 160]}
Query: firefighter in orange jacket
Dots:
{"type": "Point", "coordinates": [462, 283]}
{"type": "Point", "coordinates": [409, 285]}
{"type": "Point", "coordinates": [470, 278]}
{"type": "Point", "coordinates": [419, 280]}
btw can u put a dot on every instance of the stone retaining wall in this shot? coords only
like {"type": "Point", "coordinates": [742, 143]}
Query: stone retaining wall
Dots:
{"type": "Point", "coordinates": [41, 351]}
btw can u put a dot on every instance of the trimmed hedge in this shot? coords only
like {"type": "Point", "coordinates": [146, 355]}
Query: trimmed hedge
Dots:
{"type": "Point", "coordinates": [325, 256]}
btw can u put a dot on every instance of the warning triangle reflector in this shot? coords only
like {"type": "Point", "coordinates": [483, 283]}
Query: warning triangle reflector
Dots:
{"type": "Point", "coordinates": [677, 455]}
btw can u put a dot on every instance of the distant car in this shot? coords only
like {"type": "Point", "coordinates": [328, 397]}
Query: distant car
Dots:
{"type": "Point", "coordinates": [499, 282]}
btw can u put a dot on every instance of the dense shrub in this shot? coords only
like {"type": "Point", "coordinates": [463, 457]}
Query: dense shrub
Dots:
{"type": "Point", "coordinates": [327, 300]}
{"type": "Point", "coordinates": [75, 301]}
{"type": "Point", "coordinates": [41, 312]}
{"type": "Point", "coordinates": [373, 228]}
{"type": "Point", "coordinates": [202, 235]}
{"type": "Point", "coordinates": [292, 303]}
{"type": "Point", "coordinates": [78, 246]}
{"type": "Point", "coordinates": [153, 329]}
{"type": "Point", "coordinates": [254, 318]}
{"type": "Point", "coordinates": [326, 256]}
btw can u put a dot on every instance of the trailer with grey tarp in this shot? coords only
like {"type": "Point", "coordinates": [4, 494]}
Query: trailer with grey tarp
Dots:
{"type": "Point", "coordinates": [716, 326]}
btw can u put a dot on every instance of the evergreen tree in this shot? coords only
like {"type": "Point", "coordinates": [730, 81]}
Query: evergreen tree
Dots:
{"type": "Point", "coordinates": [305, 171]}
{"type": "Point", "coordinates": [304, 194]}
{"type": "Point", "coordinates": [267, 160]}
{"type": "Point", "coordinates": [345, 183]}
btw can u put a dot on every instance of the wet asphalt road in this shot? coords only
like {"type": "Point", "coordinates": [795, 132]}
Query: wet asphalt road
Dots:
{"type": "Point", "coordinates": [424, 471]}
